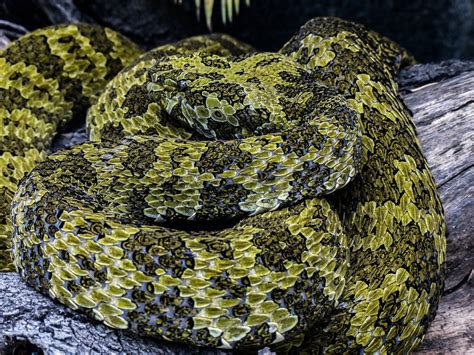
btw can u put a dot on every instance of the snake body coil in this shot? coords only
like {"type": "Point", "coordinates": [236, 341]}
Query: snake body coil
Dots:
{"type": "Point", "coordinates": [336, 234]}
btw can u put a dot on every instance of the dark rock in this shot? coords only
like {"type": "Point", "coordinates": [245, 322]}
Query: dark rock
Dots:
{"type": "Point", "coordinates": [62, 11]}
{"type": "Point", "coordinates": [69, 138]}
{"type": "Point", "coordinates": [12, 30]}
{"type": "Point", "coordinates": [4, 40]}
{"type": "Point", "coordinates": [432, 30]}
{"type": "Point", "coordinates": [150, 23]}
{"type": "Point", "coordinates": [422, 74]}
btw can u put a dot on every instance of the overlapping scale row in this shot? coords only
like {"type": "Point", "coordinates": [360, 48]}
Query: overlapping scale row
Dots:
{"type": "Point", "coordinates": [392, 212]}
{"type": "Point", "coordinates": [81, 214]}
{"type": "Point", "coordinates": [48, 77]}
{"type": "Point", "coordinates": [209, 136]}
{"type": "Point", "coordinates": [126, 108]}
{"type": "Point", "coordinates": [303, 147]}
{"type": "Point", "coordinates": [266, 279]}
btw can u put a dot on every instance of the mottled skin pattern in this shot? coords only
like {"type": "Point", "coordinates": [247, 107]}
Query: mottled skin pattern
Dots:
{"type": "Point", "coordinates": [391, 212]}
{"type": "Point", "coordinates": [339, 244]}
{"type": "Point", "coordinates": [47, 78]}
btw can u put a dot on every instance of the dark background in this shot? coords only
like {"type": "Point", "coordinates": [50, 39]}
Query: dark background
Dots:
{"type": "Point", "coordinates": [432, 30]}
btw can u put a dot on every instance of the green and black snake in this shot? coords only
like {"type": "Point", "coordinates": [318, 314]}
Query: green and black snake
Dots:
{"type": "Point", "coordinates": [335, 235]}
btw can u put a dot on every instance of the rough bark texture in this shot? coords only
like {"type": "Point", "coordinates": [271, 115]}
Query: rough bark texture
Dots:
{"type": "Point", "coordinates": [441, 97]}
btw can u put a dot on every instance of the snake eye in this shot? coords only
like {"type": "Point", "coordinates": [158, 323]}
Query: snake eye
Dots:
{"type": "Point", "coordinates": [182, 85]}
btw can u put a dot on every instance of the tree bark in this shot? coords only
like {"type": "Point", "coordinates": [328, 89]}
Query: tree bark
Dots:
{"type": "Point", "coordinates": [441, 97]}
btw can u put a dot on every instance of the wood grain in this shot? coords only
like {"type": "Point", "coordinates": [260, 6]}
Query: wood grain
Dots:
{"type": "Point", "coordinates": [444, 117]}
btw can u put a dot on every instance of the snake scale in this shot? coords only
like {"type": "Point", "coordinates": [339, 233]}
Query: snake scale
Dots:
{"type": "Point", "coordinates": [334, 237]}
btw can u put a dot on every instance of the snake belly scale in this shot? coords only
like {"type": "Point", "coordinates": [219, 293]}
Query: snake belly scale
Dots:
{"type": "Point", "coordinates": [337, 243]}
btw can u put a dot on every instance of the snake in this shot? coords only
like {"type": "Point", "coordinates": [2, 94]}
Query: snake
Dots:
{"type": "Point", "coordinates": [226, 198]}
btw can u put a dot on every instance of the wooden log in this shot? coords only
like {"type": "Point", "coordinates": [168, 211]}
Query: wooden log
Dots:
{"type": "Point", "coordinates": [441, 96]}
{"type": "Point", "coordinates": [444, 117]}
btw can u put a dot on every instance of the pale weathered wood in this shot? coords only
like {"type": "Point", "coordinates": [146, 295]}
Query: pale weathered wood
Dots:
{"type": "Point", "coordinates": [452, 332]}
{"type": "Point", "coordinates": [444, 116]}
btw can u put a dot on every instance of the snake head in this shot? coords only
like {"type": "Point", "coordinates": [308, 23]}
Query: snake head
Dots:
{"type": "Point", "coordinates": [230, 97]}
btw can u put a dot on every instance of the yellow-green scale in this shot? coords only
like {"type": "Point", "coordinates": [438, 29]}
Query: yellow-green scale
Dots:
{"type": "Point", "coordinates": [340, 246]}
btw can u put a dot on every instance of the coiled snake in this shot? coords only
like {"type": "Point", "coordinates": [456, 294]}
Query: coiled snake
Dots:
{"type": "Point", "coordinates": [335, 236]}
